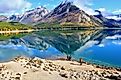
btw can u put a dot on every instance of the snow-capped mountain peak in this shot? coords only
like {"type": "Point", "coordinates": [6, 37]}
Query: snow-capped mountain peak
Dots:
{"type": "Point", "coordinates": [30, 16]}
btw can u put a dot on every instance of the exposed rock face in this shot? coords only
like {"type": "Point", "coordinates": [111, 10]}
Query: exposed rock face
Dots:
{"type": "Point", "coordinates": [14, 18]}
{"type": "Point", "coordinates": [114, 16]}
{"type": "Point", "coordinates": [34, 15]}
{"type": "Point", "coordinates": [107, 22]}
{"type": "Point", "coordinates": [67, 12]}
{"type": "Point", "coordinates": [3, 18]}
{"type": "Point", "coordinates": [30, 16]}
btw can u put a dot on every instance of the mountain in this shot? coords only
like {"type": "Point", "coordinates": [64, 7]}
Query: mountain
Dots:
{"type": "Point", "coordinates": [67, 13]}
{"type": "Point", "coordinates": [114, 16]}
{"type": "Point", "coordinates": [3, 18]}
{"type": "Point", "coordinates": [30, 16]}
{"type": "Point", "coordinates": [107, 22]}
{"type": "Point", "coordinates": [14, 18]}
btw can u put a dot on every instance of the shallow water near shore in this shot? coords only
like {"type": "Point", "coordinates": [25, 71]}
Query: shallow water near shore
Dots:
{"type": "Point", "coordinates": [95, 46]}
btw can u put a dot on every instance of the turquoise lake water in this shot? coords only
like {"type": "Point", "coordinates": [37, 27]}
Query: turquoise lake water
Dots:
{"type": "Point", "coordinates": [95, 46]}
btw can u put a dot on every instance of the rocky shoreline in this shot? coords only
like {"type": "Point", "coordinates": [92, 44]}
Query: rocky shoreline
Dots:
{"type": "Point", "coordinates": [22, 68]}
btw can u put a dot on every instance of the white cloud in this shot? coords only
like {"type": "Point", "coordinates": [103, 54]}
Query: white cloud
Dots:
{"type": "Point", "coordinates": [46, 5]}
{"type": "Point", "coordinates": [102, 9]}
{"type": "Point", "coordinates": [13, 5]}
{"type": "Point", "coordinates": [104, 12]}
{"type": "Point", "coordinates": [110, 14]}
{"type": "Point", "coordinates": [117, 11]}
{"type": "Point", "coordinates": [113, 17]}
{"type": "Point", "coordinates": [84, 5]}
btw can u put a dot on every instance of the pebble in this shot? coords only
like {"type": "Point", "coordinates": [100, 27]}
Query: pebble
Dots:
{"type": "Point", "coordinates": [17, 78]}
{"type": "Point", "coordinates": [45, 69]}
{"type": "Point", "coordinates": [25, 72]}
{"type": "Point", "coordinates": [18, 74]}
{"type": "Point", "coordinates": [62, 68]}
{"type": "Point", "coordinates": [63, 74]}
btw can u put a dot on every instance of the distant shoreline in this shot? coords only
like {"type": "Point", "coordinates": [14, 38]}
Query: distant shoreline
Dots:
{"type": "Point", "coordinates": [73, 28]}
{"type": "Point", "coordinates": [16, 31]}
{"type": "Point", "coordinates": [54, 29]}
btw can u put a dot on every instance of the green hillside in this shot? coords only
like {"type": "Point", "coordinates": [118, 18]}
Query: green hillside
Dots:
{"type": "Point", "coordinates": [56, 24]}
{"type": "Point", "coordinates": [13, 26]}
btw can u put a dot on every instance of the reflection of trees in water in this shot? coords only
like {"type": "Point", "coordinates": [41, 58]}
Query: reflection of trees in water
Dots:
{"type": "Point", "coordinates": [67, 42]}
{"type": "Point", "coordinates": [6, 36]}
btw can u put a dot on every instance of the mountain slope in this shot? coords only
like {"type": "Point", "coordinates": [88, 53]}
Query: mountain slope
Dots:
{"type": "Point", "coordinates": [3, 18]}
{"type": "Point", "coordinates": [14, 18]}
{"type": "Point", "coordinates": [107, 22]}
{"type": "Point", "coordinates": [30, 16]}
{"type": "Point", "coordinates": [67, 13]}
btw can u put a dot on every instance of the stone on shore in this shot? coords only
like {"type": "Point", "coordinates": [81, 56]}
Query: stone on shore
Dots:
{"type": "Point", "coordinates": [23, 68]}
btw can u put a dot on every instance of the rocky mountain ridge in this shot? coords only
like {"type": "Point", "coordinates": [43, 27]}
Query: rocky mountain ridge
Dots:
{"type": "Point", "coordinates": [30, 16]}
{"type": "Point", "coordinates": [107, 22]}
{"type": "Point", "coordinates": [3, 18]}
{"type": "Point", "coordinates": [69, 13]}
{"type": "Point", "coordinates": [64, 14]}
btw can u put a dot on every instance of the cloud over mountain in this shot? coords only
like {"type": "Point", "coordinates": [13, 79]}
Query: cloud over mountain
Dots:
{"type": "Point", "coordinates": [13, 5]}
{"type": "Point", "coordinates": [84, 5]}
{"type": "Point", "coordinates": [116, 15]}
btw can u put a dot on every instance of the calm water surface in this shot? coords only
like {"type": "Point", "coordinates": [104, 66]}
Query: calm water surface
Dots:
{"type": "Point", "coordinates": [95, 46]}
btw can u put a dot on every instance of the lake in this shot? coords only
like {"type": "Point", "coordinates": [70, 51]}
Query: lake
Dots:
{"type": "Point", "coordinates": [95, 46]}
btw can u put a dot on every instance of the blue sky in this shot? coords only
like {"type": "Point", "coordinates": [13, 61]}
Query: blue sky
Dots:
{"type": "Point", "coordinates": [49, 4]}
{"type": "Point", "coordinates": [108, 4]}
{"type": "Point", "coordinates": [8, 7]}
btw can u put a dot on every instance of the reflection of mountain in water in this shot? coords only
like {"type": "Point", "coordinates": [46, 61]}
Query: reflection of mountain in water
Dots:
{"type": "Point", "coordinates": [68, 42]}
{"type": "Point", "coordinates": [23, 39]}
{"type": "Point", "coordinates": [6, 36]}
{"type": "Point", "coordinates": [65, 41]}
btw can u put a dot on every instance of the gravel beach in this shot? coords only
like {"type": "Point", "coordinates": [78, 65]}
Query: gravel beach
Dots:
{"type": "Point", "coordinates": [22, 68]}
